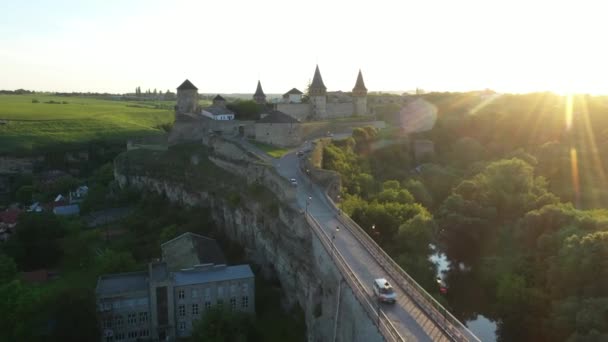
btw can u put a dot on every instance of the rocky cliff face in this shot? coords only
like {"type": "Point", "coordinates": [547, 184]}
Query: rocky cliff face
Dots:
{"type": "Point", "coordinates": [279, 241]}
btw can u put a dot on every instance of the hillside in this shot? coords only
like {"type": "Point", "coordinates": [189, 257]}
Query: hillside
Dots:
{"type": "Point", "coordinates": [28, 126]}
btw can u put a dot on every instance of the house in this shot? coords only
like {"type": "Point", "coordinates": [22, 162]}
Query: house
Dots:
{"type": "Point", "coordinates": [218, 110]}
{"type": "Point", "coordinates": [293, 96]}
{"type": "Point", "coordinates": [67, 210]}
{"type": "Point", "coordinates": [164, 301]}
{"type": "Point", "coordinates": [38, 276]}
{"type": "Point", "coordinates": [79, 194]}
{"type": "Point", "coordinates": [218, 113]}
{"type": "Point", "coordinates": [36, 207]}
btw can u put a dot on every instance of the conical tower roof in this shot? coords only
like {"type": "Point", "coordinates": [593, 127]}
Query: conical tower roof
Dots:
{"type": "Point", "coordinates": [317, 85]}
{"type": "Point", "coordinates": [360, 85]}
{"type": "Point", "coordinates": [258, 91]}
{"type": "Point", "coordinates": [187, 85]}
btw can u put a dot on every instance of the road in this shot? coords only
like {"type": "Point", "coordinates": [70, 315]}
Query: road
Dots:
{"type": "Point", "coordinates": [408, 319]}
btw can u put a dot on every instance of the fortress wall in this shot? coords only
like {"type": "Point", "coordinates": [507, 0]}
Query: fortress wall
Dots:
{"type": "Point", "coordinates": [279, 134]}
{"type": "Point", "coordinates": [340, 110]}
{"type": "Point", "coordinates": [299, 111]}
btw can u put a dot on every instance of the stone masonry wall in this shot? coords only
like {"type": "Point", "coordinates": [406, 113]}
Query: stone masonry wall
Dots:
{"type": "Point", "coordinates": [300, 111]}
{"type": "Point", "coordinates": [282, 246]}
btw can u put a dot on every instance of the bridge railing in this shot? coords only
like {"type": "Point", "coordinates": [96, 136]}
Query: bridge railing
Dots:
{"type": "Point", "coordinates": [451, 326]}
{"type": "Point", "coordinates": [385, 326]}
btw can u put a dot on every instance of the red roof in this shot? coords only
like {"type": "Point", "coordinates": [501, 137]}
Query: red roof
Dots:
{"type": "Point", "coordinates": [10, 216]}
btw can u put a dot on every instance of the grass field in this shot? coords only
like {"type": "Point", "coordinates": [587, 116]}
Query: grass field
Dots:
{"type": "Point", "coordinates": [35, 127]}
{"type": "Point", "coordinates": [273, 151]}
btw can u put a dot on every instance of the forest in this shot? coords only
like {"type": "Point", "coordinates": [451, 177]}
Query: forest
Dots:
{"type": "Point", "coordinates": [513, 195]}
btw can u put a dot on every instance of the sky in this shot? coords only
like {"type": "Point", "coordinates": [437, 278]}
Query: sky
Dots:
{"type": "Point", "coordinates": [225, 46]}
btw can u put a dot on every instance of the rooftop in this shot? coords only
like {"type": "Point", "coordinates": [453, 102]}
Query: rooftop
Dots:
{"type": "Point", "coordinates": [187, 85]}
{"type": "Point", "coordinates": [294, 91]}
{"type": "Point", "coordinates": [214, 274]}
{"type": "Point", "coordinates": [113, 284]}
{"type": "Point", "coordinates": [189, 249]}
{"type": "Point", "coordinates": [317, 81]}
{"type": "Point", "coordinates": [359, 85]}
{"type": "Point", "coordinates": [258, 91]}
{"type": "Point", "coordinates": [218, 110]}
{"type": "Point", "coordinates": [219, 97]}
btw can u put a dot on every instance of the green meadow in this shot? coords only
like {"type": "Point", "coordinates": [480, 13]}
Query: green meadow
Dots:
{"type": "Point", "coordinates": [27, 127]}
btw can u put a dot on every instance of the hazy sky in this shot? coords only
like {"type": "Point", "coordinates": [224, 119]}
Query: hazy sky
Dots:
{"type": "Point", "coordinates": [226, 45]}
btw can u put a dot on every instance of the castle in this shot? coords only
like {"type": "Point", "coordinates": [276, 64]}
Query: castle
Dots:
{"type": "Point", "coordinates": [322, 105]}
{"type": "Point", "coordinates": [318, 105]}
{"type": "Point", "coordinates": [280, 124]}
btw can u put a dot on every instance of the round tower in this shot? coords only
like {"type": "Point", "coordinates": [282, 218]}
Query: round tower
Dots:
{"type": "Point", "coordinates": [317, 93]}
{"type": "Point", "coordinates": [360, 96]}
{"type": "Point", "coordinates": [187, 98]}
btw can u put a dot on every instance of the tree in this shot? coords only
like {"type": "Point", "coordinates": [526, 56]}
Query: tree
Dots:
{"type": "Point", "coordinates": [24, 194]}
{"type": "Point", "coordinates": [74, 325]}
{"type": "Point", "coordinates": [8, 269]}
{"type": "Point", "coordinates": [35, 243]}
{"type": "Point", "coordinates": [111, 261]}
{"type": "Point", "coordinates": [222, 325]}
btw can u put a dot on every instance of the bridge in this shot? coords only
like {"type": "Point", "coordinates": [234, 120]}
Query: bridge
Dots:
{"type": "Point", "coordinates": [416, 316]}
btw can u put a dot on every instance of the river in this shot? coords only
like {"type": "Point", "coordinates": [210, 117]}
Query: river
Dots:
{"type": "Point", "coordinates": [481, 326]}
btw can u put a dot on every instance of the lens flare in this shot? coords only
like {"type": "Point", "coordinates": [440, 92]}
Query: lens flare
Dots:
{"type": "Point", "coordinates": [569, 105]}
{"type": "Point", "coordinates": [575, 178]}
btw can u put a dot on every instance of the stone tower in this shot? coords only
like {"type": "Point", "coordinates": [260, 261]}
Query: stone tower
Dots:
{"type": "Point", "coordinates": [318, 96]}
{"type": "Point", "coordinates": [259, 95]}
{"type": "Point", "coordinates": [187, 98]}
{"type": "Point", "coordinates": [360, 96]}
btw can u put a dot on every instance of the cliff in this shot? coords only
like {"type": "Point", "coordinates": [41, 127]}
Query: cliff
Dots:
{"type": "Point", "coordinates": [255, 209]}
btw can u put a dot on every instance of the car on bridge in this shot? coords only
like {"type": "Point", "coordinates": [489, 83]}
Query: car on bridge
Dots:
{"type": "Point", "coordinates": [293, 182]}
{"type": "Point", "coordinates": [384, 291]}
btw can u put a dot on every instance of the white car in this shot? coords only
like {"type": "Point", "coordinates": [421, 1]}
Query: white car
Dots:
{"type": "Point", "coordinates": [293, 182]}
{"type": "Point", "coordinates": [384, 291]}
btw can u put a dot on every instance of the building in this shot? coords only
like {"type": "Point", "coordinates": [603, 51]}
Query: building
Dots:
{"type": "Point", "coordinates": [293, 96]}
{"type": "Point", "coordinates": [187, 98]}
{"type": "Point", "coordinates": [218, 110]}
{"type": "Point", "coordinates": [279, 129]}
{"type": "Point", "coordinates": [259, 96]}
{"type": "Point", "coordinates": [164, 302]}
{"type": "Point", "coordinates": [324, 105]}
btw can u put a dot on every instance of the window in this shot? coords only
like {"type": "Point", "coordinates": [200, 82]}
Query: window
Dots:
{"type": "Point", "coordinates": [220, 303]}
{"type": "Point", "coordinates": [181, 310]}
{"type": "Point", "coordinates": [182, 326]}
{"type": "Point", "coordinates": [245, 302]}
{"type": "Point", "coordinates": [109, 339]}
{"type": "Point", "coordinates": [207, 293]}
{"type": "Point", "coordinates": [233, 303]}
{"type": "Point", "coordinates": [107, 323]}
{"type": "Point", "coordinates": [119, 336]}
{"type": "Point", "coordinates": [245, 289]}
{"type": "Point", "coordinates": [132, 334]}
{"type": "Point", "coordinates": [232, 289]}
{"type": "Point", "coordinates": [195, 309]}
{"type": "Point", "coordinates": [118, 321]}
{"type": "Point", "coordinates": [181, 294]}
{"type": "Point", "coordinates": [144, 333]}
{"type": "Point", "coordinates": [143, 317]}
{"type": "Point", "coordinates": [194, 293]}
{"type": "Point", "coordinates": [207, 305]}
{"type": "Point", "coordinates": [131, 318]}
{"type": "Point", "coordinates": [220, 291]}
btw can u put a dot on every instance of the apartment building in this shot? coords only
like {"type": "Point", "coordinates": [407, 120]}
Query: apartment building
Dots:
{"type": "Point", "coordinates": [164, 302]}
